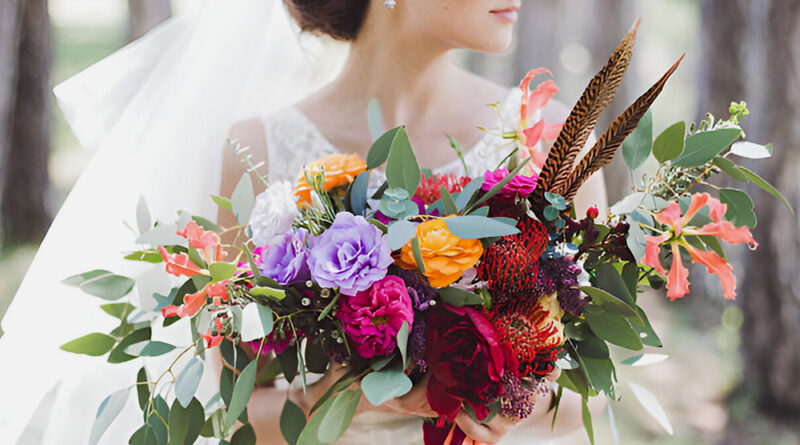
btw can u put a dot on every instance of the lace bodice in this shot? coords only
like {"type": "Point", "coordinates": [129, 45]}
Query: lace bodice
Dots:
{"type": "Point", "coordinates": [294, 141]}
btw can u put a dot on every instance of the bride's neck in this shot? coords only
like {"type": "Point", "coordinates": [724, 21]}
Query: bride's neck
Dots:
{"type": "Point", "coordinates": [407, 75]}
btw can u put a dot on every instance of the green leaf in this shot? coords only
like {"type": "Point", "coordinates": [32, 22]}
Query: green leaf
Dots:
{"type": "Point", "coordinates": [269, 292]}
{"type": "Point", "coordinates": [188, 381]}
{"type": "Point", "coordinates": [610, 280]}
{"type": "Point", "coordinates": [269, 372]}
{"type": "Point", "coordinates": [358, 193]}
{"type": "Point", "coordinates": [162, 235]}
{"type": "Point", "coordinates": [379, 151]}
{"type": "Point", "coordinates": [155, 349]}
{"type": "Point", "coordinates": [402, 342]}
{"type": "Point", "coordinates": [612, 328]}
{"type": "Point", "coordinates": [186, 423]}
{"type": "Point", "coordinates": [244, 436]}
{"type": "Point", "coordinates": [730, 169]}
{"type": "Point", "coordinates": [384, 385]}
{"type": "Point", "coordinates": [591, 346]}
{"type": "Point", "coordinates": [637, 146]}
{"type": "Point", "coordinates": [95, 344]}
{"type": "Point", "coordinates": [702, 147]}
{"type": "Point", "coordinates": [223, 203]}
{"type": "Point", "coordinates": [751, 150]}
{"type": "Point", "coordinates": [459, 297]}
{"type": "Point", "coordinates": [77, 280]}
{"type": "Point", "coordinates": [293, 420]}
{"type": "Point", "coordinates": [450, 207]}
{"type": "Point", "coordinates": [402, 170]}
{"type": "Point", "coordinates": [339, 416]}
{"type": "Point", "coordinates": [469, 192]}
{"type": "Point", "coordinates": [374, 119]}
{"type": "Point", "coordinates": [636, 240]}
{"type": "Point", "coordinates": [118, 310]}
{"type": "Point", "coordinates": [222, 271]}
{"type": "Point", "coordinates": [558, 201]}
{"type": "Point", "coordinates": [257, 322]}
{"type": "Point", "coordinates": [241, 394]}
{"type": "Point", "coordinates": [108, 410]}
{"type": "Point", "coordinates": [645, 359]}
{"type": "Point", "coordinates": [551, 213]}
{"type": "Point", "coordinates": [243, 199]}
{"type": "Point", "coordinates": [417, 254]}
{"type": "Point", "coordinates": [651, 405]}
{"type": "Point", "coordinates": [309, 434]}
{"type": "Point", "coordinates": [601, 374]}
{"type": "Point", "coordinates": [108, 287]}
{"type": "Point", "coordinates": [400, 233]}
{"type": "Point", "coordinates": [145, 256]}
{"type": "Point", "coordinates": [143, 218]}
{"type": "Point", "coordinates": [289, 361]}
{"type": "Point", "coordinates": [156, 423]}
{"type": "Point", "coordinates": [587, 419]}
{"type": "Point", "coordinates": [670, 143]}
{"type": "Point", "coordinates": [608, 302]}
{"type": "Point", "coordinates": [645, 330]}
{"type": "Point", "coordinates": [118, 354]}
{"type": "Point", "coordinates": [740, 207]}
{"type": "Point", "coordinates": [316, 357]}
{"type": "Point", "coordinates": [766, 186]}
{"type": "Point", "coordinates": [142, 388]}
{"type": "Point", "coordinates": [144, 436]}
{"type": "Point", "coordinates": [476, 227]}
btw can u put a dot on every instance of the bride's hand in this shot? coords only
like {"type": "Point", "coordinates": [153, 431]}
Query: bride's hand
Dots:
{"type": "Point", "coordinates": [497, 428]}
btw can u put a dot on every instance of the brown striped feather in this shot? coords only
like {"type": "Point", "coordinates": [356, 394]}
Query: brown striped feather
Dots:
{"type": "Point", "coordinates": [603, 151]}
{"type": "Point", "coordinates": [583, 118]}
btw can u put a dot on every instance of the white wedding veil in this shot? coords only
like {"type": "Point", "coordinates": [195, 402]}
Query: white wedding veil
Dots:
{"type": "Point", "coordinates": [157, 113]}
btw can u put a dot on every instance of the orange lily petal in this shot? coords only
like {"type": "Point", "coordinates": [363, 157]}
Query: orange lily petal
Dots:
{"type": "Point", "coordinates": [551, 131]}
{"type": "Point", "coordinates": [531, 136]}
{"type": "Point", "coordinates": [717, 209]}
{"type": "Point", "coordinates": [651, 252]}
{"type": "Point", "coordinates": [699, 200]}
{"type": "Point", "coordinates": [524, 87]}
{"type": "Point", "coordinates": [678, 278]}
{"type": "Point", "coordinates": [180, 264]}
{"type": "Point", "coordinates": [671, 216]}
{"type": "Point", "coordinates": [717, 266]}
{"type": "Point", "coordinates": [726, 231]}
{"type": "Point", "coordinates": [543, 93]}
{"type": "Point", "coordinates": [192, 303]}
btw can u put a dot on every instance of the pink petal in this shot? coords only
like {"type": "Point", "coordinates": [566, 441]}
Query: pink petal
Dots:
{"type": "Point", "coordinates": [541, 96]}
{"type": "Point", "coordinates": [719, 267]}
{"type": "Point", "coordinates": [671, 216]}
{"type": "Point", "coordinates": [532, 135]}
{"type": "Point", "coordinates": [678, 278]}
{"type": "Point", "coordinates": [726, 231]}
{"type": "Point", "coordinates": [717, 209]}
{"type": "Point", "coordinates": [551, 131]}
{"type": "Point", "coordinates": [699, 200]}
{"type": "Point", "coordinates": [524, 87]}
{"type": "Point", "coordinates": [651, 252]}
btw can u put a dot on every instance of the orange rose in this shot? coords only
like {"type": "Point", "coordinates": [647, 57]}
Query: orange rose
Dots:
{"type": "Point", "coordinates": [340, 169]}
{"type": "Point", "coordinates": [445, 256]}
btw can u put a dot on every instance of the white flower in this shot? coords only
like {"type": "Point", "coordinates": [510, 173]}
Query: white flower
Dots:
{"type": "Point", "coordinates": [274, 213]}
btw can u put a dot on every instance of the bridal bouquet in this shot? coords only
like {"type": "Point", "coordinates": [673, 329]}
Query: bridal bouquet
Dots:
{"type": "Point", "coordinates": [482, 286]}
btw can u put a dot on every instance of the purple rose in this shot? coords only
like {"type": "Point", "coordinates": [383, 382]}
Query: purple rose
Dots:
{"type": "Point", "coordinates": [519, 184]}
{"type": "Point", "coordinates": [372, 318]}
{"type": "Point", "coordinates": [351, 255]}
{"type": "Point", "coordinates": [285, 260]}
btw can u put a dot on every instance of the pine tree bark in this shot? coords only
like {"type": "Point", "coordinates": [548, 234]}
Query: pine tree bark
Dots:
{"type": "Point", "coordinates": [145, 15]}
{"type": "Point", "coordinates": [25, 134]}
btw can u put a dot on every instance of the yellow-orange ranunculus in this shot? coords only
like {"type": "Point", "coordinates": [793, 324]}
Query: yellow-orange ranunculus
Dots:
{"type": "Point", "coordinates": [340, 169]}
{"type": "Point", "coordinates": [444, 255]}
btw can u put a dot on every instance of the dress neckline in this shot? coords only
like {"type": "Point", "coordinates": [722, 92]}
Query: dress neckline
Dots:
{"type": "Point", "coordinates": [502, 106]}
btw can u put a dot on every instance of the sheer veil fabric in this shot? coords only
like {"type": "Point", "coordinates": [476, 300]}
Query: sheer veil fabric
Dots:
{"type": "Point", "coordinates": [157, 113]}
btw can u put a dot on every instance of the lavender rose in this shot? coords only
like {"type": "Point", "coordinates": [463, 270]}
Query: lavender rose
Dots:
{"type": "Point", "coordinates": [351, 255]}
{"type": "Point", "coordinates": [274, 213]}
{"type": "Point", "coordinates": [285, 260]}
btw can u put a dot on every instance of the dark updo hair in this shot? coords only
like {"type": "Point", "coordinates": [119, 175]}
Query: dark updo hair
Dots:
{"type": "Point", "coordinates": [340, 19]}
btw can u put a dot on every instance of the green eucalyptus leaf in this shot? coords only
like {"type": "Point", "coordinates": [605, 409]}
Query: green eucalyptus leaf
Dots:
{"type": "Point", "coordinates": [459, 297]}
{"type": "Point", "coordinates": [586, 415]}
{"type": "Point", "coordinates": [637, 146]}
{"type": "Point", "coordinates": [223, 203]}
{"type": "Point", "coordinates": [288, 361]}
{"type": "Point", "coordinates": [142, 388]}
{"type": "Point", "coordinates": [469, 192]}
{"type": "Point", "coordinates": [244, 436]}
{"type": "Point", "coordinates": [609, 303]}
{"type": "Point", "coordinates": [612, 328]}
{"type": "Point", "coordinates": [188, 381]}
{"type": "Point", "coordinates": [766, 186]}
{"type": "Point", "coordinates": [477, 227]}
{"type": "Point", "coordinates": [108, 287]}
{"type": "Point", "coordinates": [292, 422]}
{"type": "Point", "coordinates": [730, 169]}
{"type": "Point", "coordinates": [702, 147]}
{"type": "Point", "coordinates": [268, 292]}
{"type": "Point", "coordinates": [77, 280]}
{"type": "Point", "coordinates": [108, 410]}
{"type": "Point", "coordinates": [143, 219]}
{"type": "Point", "coordinates": [222, 271]}
{"type": "Point", "coordinates": [118, 354]}
{"type": "Point", "coordinates": [339, 416]}
{"type": "Point", "coordinates": [154, 349]}
{"type": "Point", "coordinates": [185, 423]}
{"type": "Point", "coordinates": [402, 170]}
{"type": "Point", "coordinates": [740, 207]}
{"type": "Point", "coordinates": [95, 344]}
{"type": "Point", "coordinates": [379, 152]}
{"type": "Point", "coordinates": [450, 207]}
{"type": "Point", "coordinates": [241, 394]}
{"type": "Point", "coordinates": [384, 385]}
{"type": "Point", "coordinates": [358, 193]}
{"type": "Point", "coordinates": [257, 322]}
{"type": "Point", "coordinates": [670, 143]}
{"type": "Point", "coordinates": [400, 233]}
{"type": "Point", "coordinates": [645, 330]}
{"type": "Point", "coordinates": [651, 405]}
{"type": "Point", "coordinates": [119, 311]}
{"type": "Point", "coordinates": [402, 343]}
{"type": "Point", "coordinates": [751, 150]}
{"type": "Point", "coordinates": [415, 248]}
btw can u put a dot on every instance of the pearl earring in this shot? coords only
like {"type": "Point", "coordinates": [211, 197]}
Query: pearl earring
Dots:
{"type": "Point", "coordinates": [390, 4]}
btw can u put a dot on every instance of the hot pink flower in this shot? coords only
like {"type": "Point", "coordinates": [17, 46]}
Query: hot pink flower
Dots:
{"type": "Point", "coordinates": [372, 318]}
{"type": "Point", "coordinates": [519, 185]}
{"type": "Point", "coordinates": [678, 275]}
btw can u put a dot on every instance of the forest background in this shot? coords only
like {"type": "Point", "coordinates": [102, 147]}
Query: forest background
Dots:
{"type": "Point", "coordinates": [733, 376]}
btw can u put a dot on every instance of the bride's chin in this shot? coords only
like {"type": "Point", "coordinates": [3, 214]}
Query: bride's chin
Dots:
{"type": "Point", "coordinates": [493, 42]}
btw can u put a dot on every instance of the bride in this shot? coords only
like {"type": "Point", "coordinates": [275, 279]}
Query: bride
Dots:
{"type": "Point", "coordinates": [158, 111]}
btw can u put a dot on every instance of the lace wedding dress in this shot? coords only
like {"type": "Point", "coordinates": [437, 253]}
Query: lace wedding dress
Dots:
{"type": "Point", "coordinates": [294, 141]}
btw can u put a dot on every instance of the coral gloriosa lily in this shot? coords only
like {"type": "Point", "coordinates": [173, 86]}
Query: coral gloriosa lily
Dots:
{"type": "Point", "coordinates": [675, 237]}
{"type": "Point", "coordinates": [533, 101]}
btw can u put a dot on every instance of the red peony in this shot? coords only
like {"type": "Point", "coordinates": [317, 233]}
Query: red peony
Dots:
{"type": "Point", "coordinates": [465, 360]}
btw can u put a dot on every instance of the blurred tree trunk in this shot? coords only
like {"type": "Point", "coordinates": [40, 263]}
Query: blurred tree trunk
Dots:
{"type": "Point", "coordinates": [145, 15]}
{"type": "Point", "coordinates": [771, 333]}
{"type": "Point", "coordinates": [25, 110]}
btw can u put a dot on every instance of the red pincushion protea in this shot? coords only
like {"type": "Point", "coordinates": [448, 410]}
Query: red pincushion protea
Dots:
{"type": "Point", "coordinates": [429, 189]}
{"type": "Point", "coordinates": [510, 266]}
{"type": "Point", "coordinates": [535, 338]}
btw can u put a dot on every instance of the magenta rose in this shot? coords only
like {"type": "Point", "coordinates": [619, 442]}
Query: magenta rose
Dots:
{"type": "Point", "coordinates": [465, 361]}
{"type": "Point", "coordinates": [519, 185]}
{"type": "Point", "coordinates": [372, 318]}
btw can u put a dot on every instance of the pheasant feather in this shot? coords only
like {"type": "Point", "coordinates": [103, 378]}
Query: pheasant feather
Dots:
{"type": "Point", "coordinates": [583, 118]}
{"type": "Point", "coordinates": [603, 151]}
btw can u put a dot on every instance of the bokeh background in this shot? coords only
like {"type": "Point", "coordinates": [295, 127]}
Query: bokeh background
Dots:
{"type": "Point", "coordinates": [733, 376]}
